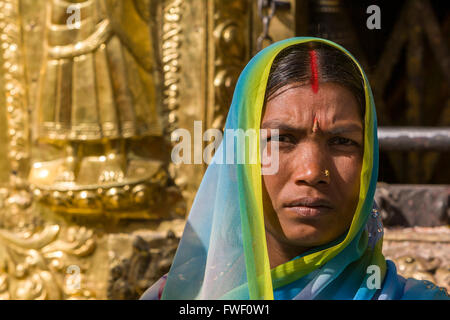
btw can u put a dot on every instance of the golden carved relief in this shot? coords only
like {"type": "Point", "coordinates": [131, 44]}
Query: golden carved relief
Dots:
{"type": "Point", "coordinates": [231, 38]}
{"type": "Point", "coordinates": [36, 265]}
{"type": "Point", "coordinates": [39, 259]}
{"type": "Point", "coordinates": [183, 47]}
{"type": "Point", "coordinates": [97, 103]}
{"type": "Point", "coordinates": [91, 110]}
{"type": "Point", "coordinates": [171, 51]}
{"type": "Point", "coordinates": [85, 135]}
{"type": "Point", "coordinates": [15, 92]}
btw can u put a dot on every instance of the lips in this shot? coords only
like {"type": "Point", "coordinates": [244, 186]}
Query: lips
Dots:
{"type": "Point", "coordinates": [309, 206]}
{"type": "Point", "coordinates": [309, 202]}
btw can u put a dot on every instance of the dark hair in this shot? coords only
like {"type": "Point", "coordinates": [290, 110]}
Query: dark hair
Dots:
{"type": "Point", "coordinates": [293, 64]}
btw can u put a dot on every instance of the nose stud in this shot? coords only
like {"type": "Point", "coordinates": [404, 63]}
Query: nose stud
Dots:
{"type": "Point", "coordinates": [326, 173]}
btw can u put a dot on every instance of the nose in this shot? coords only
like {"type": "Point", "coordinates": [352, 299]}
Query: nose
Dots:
{"type": "Point", "coordinates": [310, 164]}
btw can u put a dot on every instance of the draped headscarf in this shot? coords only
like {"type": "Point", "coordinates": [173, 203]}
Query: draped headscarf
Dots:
{"type": "Point", "coordinates": [223, 251]}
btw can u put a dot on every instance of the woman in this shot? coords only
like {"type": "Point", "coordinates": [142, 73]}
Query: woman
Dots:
{"type": "Point", "coordinates": [309, 230]}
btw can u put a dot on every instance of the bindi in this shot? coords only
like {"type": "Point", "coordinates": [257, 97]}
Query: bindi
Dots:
{"type": "Point", "coordinates": [315, 126]}
{"type": "Point", "coordinates": [314, 72]}
{"type": "Point", "coordinates": [314, 83]}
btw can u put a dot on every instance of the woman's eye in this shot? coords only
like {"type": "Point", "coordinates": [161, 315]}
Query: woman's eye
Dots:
{"type": "Point", "coordinates": [342, 141]}
{"type": "Point", "coordinates": [281, 138]}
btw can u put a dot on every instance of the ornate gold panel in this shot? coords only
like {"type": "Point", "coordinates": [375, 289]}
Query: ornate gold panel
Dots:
{"type": "Point", "coordinates": [92, 202]}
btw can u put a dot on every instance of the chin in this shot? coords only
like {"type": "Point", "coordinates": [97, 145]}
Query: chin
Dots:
{"type": "Point", "coordinates": [309, 236]}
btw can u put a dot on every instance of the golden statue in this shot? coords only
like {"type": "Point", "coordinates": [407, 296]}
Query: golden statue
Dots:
{"type": "Point", "coordinates": [97, 96]}
{"type": "Point", "coordinates": [82, 126]}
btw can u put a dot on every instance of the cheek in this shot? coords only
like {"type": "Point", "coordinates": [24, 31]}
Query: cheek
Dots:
{"type": "Point", "coordinates": [271, 185]}
{"type": "Point", "coordinates": [349, 172]}
{"type": "Point", "coordinates": [272, 188]}
{"type": "Point", "coordinates": [276, 180]}
{"type": "Point", "coordinates": [268, 194]}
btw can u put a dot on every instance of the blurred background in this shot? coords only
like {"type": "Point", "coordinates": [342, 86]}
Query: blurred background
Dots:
{"type": "Point", "coordinates": [92, 91]}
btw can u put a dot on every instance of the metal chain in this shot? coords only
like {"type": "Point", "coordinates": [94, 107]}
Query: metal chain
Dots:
{"type": "Point", "coordinates": [266, 10]}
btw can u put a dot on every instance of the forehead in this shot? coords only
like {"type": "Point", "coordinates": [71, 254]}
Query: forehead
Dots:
{"type": "Point", "coordinates": [297, 102]}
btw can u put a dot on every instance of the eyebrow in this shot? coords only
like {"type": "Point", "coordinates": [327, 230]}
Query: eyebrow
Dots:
{"type": "Point", "coordinates": [346, 128]}
{"type": "Point", "coordinates": [338, 129]}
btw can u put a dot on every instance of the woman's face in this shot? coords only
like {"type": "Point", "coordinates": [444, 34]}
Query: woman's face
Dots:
{"type": "Point", "coordinates": [311, 200]}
